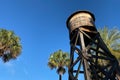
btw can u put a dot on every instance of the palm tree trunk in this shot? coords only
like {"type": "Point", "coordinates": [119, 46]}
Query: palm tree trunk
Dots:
{"type": "Point", "coordinates": [60, 77]}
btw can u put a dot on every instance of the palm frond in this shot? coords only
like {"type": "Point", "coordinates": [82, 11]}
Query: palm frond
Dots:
{"type": "Point", "coordinates": [59, 60]}
{"type": "Point", "coordinates": [114, 35]}
{"type": "Point", "coordinates": [51, 65]}
{"type": "Point", "coordinates": [9, 42]}
{"type": "Point", "coordinates": [111, 37]}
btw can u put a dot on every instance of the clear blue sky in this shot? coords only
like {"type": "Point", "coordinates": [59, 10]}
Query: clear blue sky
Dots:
{"type": "Point", "coordinates": [41, 25]}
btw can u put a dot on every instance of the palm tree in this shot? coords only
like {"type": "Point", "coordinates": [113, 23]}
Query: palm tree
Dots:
{"type": "Point", "coordinates": [59, 60]}
{"type": "Point", "coordinates": [111, 37]}
{"type": "Point", "coordinates": [10, 46]}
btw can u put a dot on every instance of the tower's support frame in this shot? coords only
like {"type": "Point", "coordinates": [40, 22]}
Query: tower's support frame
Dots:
{"type": "Point", "coordinates": [88, 51]}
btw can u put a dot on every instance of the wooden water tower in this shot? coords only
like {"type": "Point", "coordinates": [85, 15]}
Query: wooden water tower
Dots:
{"type": "Point", "coordinates": [88, 51]}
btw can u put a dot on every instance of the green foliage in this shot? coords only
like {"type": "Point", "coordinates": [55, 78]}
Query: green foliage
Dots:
{"type": "Point", "coordinates": [111, 37]}
{"type": "Point", "coordinates": [10, 46]}
{"type": "Point", "coordinates": [59, 60]}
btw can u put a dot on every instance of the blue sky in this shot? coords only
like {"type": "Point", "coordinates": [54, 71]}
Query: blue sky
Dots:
{"type": "Point", "coordinates": [41, 25]}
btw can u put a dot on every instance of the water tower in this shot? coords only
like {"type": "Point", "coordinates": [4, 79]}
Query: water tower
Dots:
{"type": "Point", "coordinates": [88, 53]}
